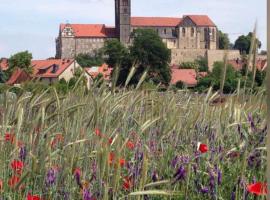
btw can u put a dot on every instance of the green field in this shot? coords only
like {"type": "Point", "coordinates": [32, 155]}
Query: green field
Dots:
{"type": "Point", "coordinates": [131, 144]}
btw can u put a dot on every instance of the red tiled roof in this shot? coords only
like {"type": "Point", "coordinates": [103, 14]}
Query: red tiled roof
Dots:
{"type": "Point", "coordinates": [90, 30]}
{"type": "Point", "coordinates": [201, 20]}
{"type": "Point", "coordinates": [4, 64]}
{"type": "Point", "coordinates": [155, 21]}
{"type": "Point", "coordinates": [44, 68]}
{"type": "Point", "coordinates": [261, 64]}
{"type": "Point", "coordinates": [104, 69]}
{"type": "Point", "coordinates": [187, 76]}
{"type": "Point", "coordinates": [18, 76]}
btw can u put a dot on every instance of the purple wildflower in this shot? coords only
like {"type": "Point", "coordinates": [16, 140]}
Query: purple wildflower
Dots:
{"type": "Point", "coordinates": [211, 180]}
{"type": "Point", "coordinates": [204, 190]}
{"type": "Point", "coordinates": [251, 121]}
{"type": "Point", "coordinates": [154, 176]}
{"type": "Point", "coordinates": [86, 194]}
{"type": "Point", "coordinates": [51, 177]}
{"type": "Point", "coordinates": [233, 195]}
{"type": "Point", "coordinates": [180, 174]}
{"type": "Point", "coordinates": [23, 153]}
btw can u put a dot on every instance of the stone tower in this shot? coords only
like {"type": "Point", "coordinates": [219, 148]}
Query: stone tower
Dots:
{"type": "Point", "coordinates": [122, 20]}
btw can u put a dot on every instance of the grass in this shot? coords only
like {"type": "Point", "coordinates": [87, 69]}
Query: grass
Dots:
{"type": "Point", "coordinates": [162, 127]}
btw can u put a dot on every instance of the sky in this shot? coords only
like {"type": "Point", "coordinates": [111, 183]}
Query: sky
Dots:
{"type": "Point", "coordinates": [33, 25]}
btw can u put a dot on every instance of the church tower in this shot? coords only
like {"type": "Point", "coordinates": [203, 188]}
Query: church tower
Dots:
{"type": "Point", "coordinates": [122, 20]}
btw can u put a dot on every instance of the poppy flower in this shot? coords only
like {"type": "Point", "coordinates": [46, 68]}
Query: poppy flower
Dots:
{"type": "Point", "coordinates": [57, 139]}
{"type": "Point", "coordinates": [110, 140]}
{"type": "Point", "coordinates": [127, 183]}
{"type": "Point", "coordinates": [98, 132]}
{"type": "Point", "coordinates": [12, 182]}
{"type": "Point", "coordinates": [202, 148]}
{"type": "Point", "coordinates": [130, 145]}
{"type": "Point", "coordinates": [9, 137]}
{"type": "Point", "coordinates": [32, 197]}
{"type": "Point", "coordinates": [1, 184]}
{"type": "Point", "coordinates": [17, 166]}
{"type": "Point", "coordinates": [257, 188]}
{"type": "Point", "coordinates": [111, 157]}
{"type": "Point", "coordinates": [77, 176]}
{"type": "Point", "coordinates": [122, 162]}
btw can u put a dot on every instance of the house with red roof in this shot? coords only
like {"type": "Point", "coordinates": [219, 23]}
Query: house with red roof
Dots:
{"type": "Point", "coordinates": [47, 71]}
{"type": "Point", "coordinates": [189, 77]}
{"type": "Point", "coordinates": [18, 76]}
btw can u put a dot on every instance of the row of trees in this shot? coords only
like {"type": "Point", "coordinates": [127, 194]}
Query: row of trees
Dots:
{"type": "Point", "coordinates": [242, 43]}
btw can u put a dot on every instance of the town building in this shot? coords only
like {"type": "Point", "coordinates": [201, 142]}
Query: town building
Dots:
{"type": "Point", "coordinates": [189, 32]}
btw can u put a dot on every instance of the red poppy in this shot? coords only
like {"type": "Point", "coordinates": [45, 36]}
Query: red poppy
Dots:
{"type": "Point", "coordinates": [17, 166]}
{"type": "Point", "coordinates": [12, 182]}
{"type": "Point", "coordinates": [98, 132]}
{"type": "Point", "coordinates": [9, 137]}
{"type": "Point", "coordinates": [110, 140]}
{"type": "Point", "coordinates": [202, 148]}
{"type": "Point", "coordinates": [122, 162]}
{"type": "Point", "coordinates": [258, 188]}
{"type": "Point", "coordinates": [1, 184]}
{"type": "Point", "coordinates": [111, 157]}
{"type": "Point", "coordinates": [130, 145]}
{"type": "Point", "coordinates": [32, 197]}
{"type": "Point", "coordinates": [57, 139]}
{"type": "Point", "coordinates": [127, 184]}
{"type": "Point", "coordinates": [77, 171]}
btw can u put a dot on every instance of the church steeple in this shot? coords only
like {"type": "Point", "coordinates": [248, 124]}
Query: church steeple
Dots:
{"type": "Point", "coordinates": [122, 20]}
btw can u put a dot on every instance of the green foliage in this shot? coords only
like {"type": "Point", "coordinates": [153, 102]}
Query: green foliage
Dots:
{"type": "Point", "coordinates": [179, 85]}
{"type": "Point", "coordinates": [214, 78]}
{"type": "Point", "coordinates": [151, 53]}
{"type": "Point", "coordinates": [243, 43]}
{"type": "Point", "coordinates": [189, 65]}
{"type": "Point", "coordinates": [21, 60]}
{"type": "Point", "coordinates": [224, 41]}
{"type": "Point", "coordinates": [86, 60]}
{"type": "Point", "coordinates": [199, 64]}
{"type": "Point", "coordinates": [114, 52]}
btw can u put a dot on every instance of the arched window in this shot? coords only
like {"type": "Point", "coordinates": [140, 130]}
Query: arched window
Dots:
{"type": "Point", "coordinates": [183, 32]}
{"type": "Point", "coordinates": [192, 32]}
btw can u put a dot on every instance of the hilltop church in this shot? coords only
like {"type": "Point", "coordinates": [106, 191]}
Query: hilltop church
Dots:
{"type": "Point", "coordinates": [189, 37]}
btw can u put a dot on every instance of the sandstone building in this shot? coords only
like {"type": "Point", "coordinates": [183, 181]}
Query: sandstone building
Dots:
{"type": "Point", "coordinates": [189, 32]}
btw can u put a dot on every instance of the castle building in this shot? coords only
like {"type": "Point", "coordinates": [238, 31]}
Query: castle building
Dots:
{"type": "Point", "coordinates": [189, 32]}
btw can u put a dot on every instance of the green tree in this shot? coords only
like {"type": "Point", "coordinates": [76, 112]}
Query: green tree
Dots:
{"type": "Point", "coordinates": [114, 52]}
{"type": "Point", "coordinates": [223, 40]}
{"type": "Point", "coordinates": [151, 53]}
{"type": "Point", "coordinates": [243, 43]}
{"type": "Point", "coordinates": [86, 60]}
{"type": "Point", "coordinates": [21, 60]}
{"type": "Point", "coordinates": [214, 78]}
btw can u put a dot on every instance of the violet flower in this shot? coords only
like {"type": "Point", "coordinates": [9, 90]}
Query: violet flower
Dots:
{"type": "Point", "coordinates": [180, 175]}
{"type": "Point", "coordinates": [154, 176]}
{"type": "Point", "coordinates": [86, 194]}
{"type": "Point", "coordinates": [204, 190]}
{"type": "Point", "coordinates": [51, 177]}
{"type": "Point", "coordinates": [23, 153]}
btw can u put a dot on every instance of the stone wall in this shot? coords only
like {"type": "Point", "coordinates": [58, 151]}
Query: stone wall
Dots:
{"type": "Point", "coordinates": [218, 55]}
{"type": "Point", "coordinates": [187, 55]}
{"type": "Point", "coordinates": [79, 45]}
{"type": "Point", "coordinates": [190, 55]}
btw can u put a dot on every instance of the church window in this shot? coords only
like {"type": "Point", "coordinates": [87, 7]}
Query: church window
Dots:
{"type": "Point", "coordinates": [213, 34]}
{"type": "Point", "coordinates": [125, 2]}
{"type": "Point", "coordinates": [192, 32]}
{"type": "Point", "coordinates": [183, 32]}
